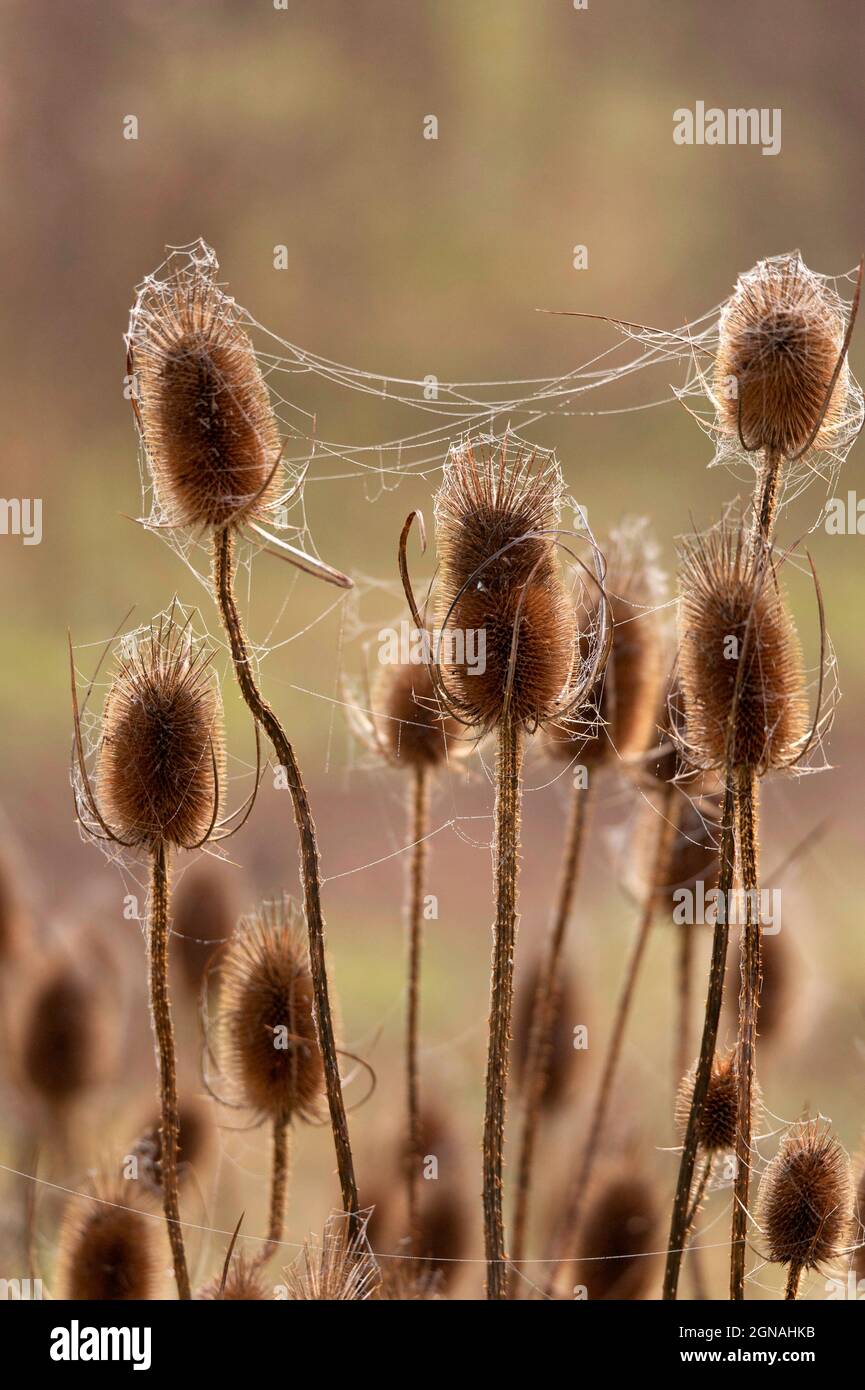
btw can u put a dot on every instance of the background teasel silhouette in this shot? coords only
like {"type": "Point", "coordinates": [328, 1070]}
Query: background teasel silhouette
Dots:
{"type": "Point", "coordinates": [249, 411]}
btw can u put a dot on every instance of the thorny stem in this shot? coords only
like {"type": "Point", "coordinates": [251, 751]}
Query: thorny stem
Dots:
{"type": "Point", "coordinates": [278, 1189]}
{"type": "Point", "coordinates": [570, 1222]}
{"type": "Point", "coordinates": [418, 825]}
{"type": "Point", "coordinates": [545, 1007]}
{"type": "Point", "coordinates": [506, 867]}
{"type": "Point", "coordinates": [685, 982]}
{"type": "Point", "coordinates": [714, 999]}
{"type": "Point", "coordinates": [310, 873]}
{"type": "Point", "coordinates": [791, 1293]}
{"type": "Point", "coordinates": [160, 1007]}
{"type": "Point", "coordinates": [749, 1002]}
{"type": "Point", "coordinates": [766, 497]}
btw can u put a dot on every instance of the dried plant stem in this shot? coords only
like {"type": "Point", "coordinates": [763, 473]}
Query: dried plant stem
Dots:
{"type": "Point", "coordinates": [714, 999]}
{"type": "Point", "coordinates": [278, 1189]}
{"type": "Point", "coordinates": [418, 827]}
{"type": "Point", "coordinates": [746, 810]}
{"type": "Point", "coordinates": [684, 996]}
{"type": "Point", "coordinates": [160, 1007]}
{"type": "Point", "coordinates": [791, 1293]}
{"type": "Point", "coordinates": [699, 1193]}
{"type": "Point", "coordinates": [766, 497]}
{"type": "Point", "coordinates": [574, 1202]}
{"type": "Point", "coordinates": [506, 866]}
{"type": "Point", "coordinates": [544, 1010]}
{"type": "Point", "coordinates": [264, 715]}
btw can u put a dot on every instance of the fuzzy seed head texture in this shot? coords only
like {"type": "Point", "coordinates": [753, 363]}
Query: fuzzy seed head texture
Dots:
{"type": "Point", "coordinates": [340, 1268]}
{"type": "Point", "coordinates": [499, 574]}
{"type": "Point", "coordinates": [717, 1132]}
{"type": "Point", "coordinates": [61, 1036]}
{"type": "Point", "coordinates": [411, 724]}
{"type": "Point", "coordinates": [208, 426]}
{"type": "Point", "coordinates": [111, 1246]}
{"type": "Point", "coordinates": [161, 755]}
{"type": "Point", "coordinates": [805, 1203]}
{"type": "Point", "coordinates": [740, 660]}
{"type": "Point", "coordinates": [618, 722]}
{"type": "Point", "coordinates": [780, 335]}
{"type": "Point", "coordinates": [244, 1282]}
{"type": "Point", "coordinates": [620, 1226]}
{"type": "Point", "coordinates": [266, 1039]}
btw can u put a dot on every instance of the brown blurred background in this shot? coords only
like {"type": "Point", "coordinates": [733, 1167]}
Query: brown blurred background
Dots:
{"type": "Point", "coordinates": [260, 127]}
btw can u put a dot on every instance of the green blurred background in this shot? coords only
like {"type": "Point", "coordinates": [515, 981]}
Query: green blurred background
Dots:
{"type": "Point", "coordinates": [304, 127]}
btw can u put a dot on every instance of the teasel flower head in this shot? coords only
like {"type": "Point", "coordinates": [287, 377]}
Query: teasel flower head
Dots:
{"type": "Point", "coordinates": [717, 1131]}
{"type": "Point", "coordinates": [160, 756]}
{"type": "Point", "coordinates": [619, 1228]}
{"type": "Point", "coordinates": [61, 1034]}
{"type": "Point", "coordinates": [339, 1268]}
{"type": "Point", "coordinates": [194, 1140]}
{"type": "Point", "coordinates": [111, 1245]}
{"type": "Point", "coordinates": [497, 516]}
{"type": "Point", "coordinates": [243, 1282]}
{"type": "Point", "coordinates": [203, 920]}
{"type": "Point", "coordinates": [265, 1029]}
{"type": "Point", "coordinates": [203, 411]}
{"type": "Point", "coordinates": [559, 1067]}
{"type": "Point", "coordinates": [408, 726]}
{"type": "Point", "coordinates": [617, 721]}
{"type": "Point", "coordinates": [805, 1203]}
{"type": "Point", "coordinates": [740, 661]}
{"type": "Point", "coordinates": [781, 379]}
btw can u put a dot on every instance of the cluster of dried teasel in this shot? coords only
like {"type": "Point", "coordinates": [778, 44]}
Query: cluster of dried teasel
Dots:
{"type": "Point", "coordinates": [576, 660]}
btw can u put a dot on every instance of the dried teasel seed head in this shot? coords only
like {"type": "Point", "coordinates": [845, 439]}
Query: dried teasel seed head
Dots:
{"type": "Point", "coordinates": [499, 575]}
{"type": "Point", "coordinates": [443, 1230]}
{"type": "Point", "coordinates": [740, 660]}
{"type": "Point", "coordinates": [340, 1268]}
{"type": "Point", "coordinates": [111, 1246]}
{"type": "Point", "coordinates": [204, 915]}
{"type": "Point", "coordinates": [620, 1225]}
{"type": "Point", "coordinates": [781, 333]}
{"type": "Point", "coordinates": [859, 1231]}
{"type": "Point", "coordinates": [266, 1036]}
{"type": "Point", "coordinates": [243, 1282]}
{"type": "Point", "coordinates": [410, 723]}
{"type": "Point", "coordinates": [562, 1053]}
{"type": "Point", "coordinates": [61, 1040]}
{"type": "Point", "coordinates": [717, 1131]}
{"type": "Point", "coordinates": [619, 721]}
{"type": "Point", "coordinates": [161, 754]}
{"type": "Point", "coordinates": [194, 1139]}
{"type": "Point", "coordinates": [805, 1203]}
{"type": "Point", "coordinates": [206, 418]}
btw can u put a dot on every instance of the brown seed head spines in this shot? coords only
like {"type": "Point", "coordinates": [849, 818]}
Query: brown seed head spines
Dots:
{"type": "Point", "coordinates": [740, 660]}
{"type": "Point", "coordinates": [717, 1132]}
{"type": "Point", "coordinates": [266, 1029]}
{"type": "Point", "coordinates": [410, 722]}
{"type": "Point", "coordinates": [805, 1205]}
{"type": "Point", "coordinates": [206, 418]}
{"type": "Point", "coordinates": [160, 765]}
{"type": "Point", "coordinates": [111, 1246]}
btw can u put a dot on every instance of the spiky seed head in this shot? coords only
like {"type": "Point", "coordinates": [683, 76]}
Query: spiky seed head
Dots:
{"type": "Point", "coordinates": [859, 1232]}
{"type": "Point", "coordinates": [62, 1035]}
{"type": "Point", "coordinates": [409, 719]}
{"type": "Point", "coordinates": [339, 1268]}
{"type": "Point", "coordinates": [203, 918]}
{"type": "Point", "coordinates": [266, 1034]}
{"type": "Point", "coordinates": [161, 755]}
{"type": "Point", "coordinates": [620, 1225]}
{"type": "Point", "coordinates": [780, 336]}
{"type": "Point", "coordinates": [243, 1282]}
{"type": "Point", "coordinates": [194, 1138]}
{"type": "Point", "coordinates": [562, 1037]}
{"type": "Point", "coordinates": [111, 1246]}
{"type": "Point", "coordinates": [805, 1203]}
{"type": "Point", "coordinates": [209, 430]}
{"type": "Point", "coordinates": [443, 1230]}
{"type": "Point", "coordinates": [740, 660]}
{"type": "Point", "coordinates": [619, 720]}
{"type": "Point", "coordinates": [717, 1131]}
{"type": "Point", "coordinates": [499, 574]}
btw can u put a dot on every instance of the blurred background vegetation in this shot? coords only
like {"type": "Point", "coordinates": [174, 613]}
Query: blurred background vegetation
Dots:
{"type": "Point", "coordinates": [304, 127]}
